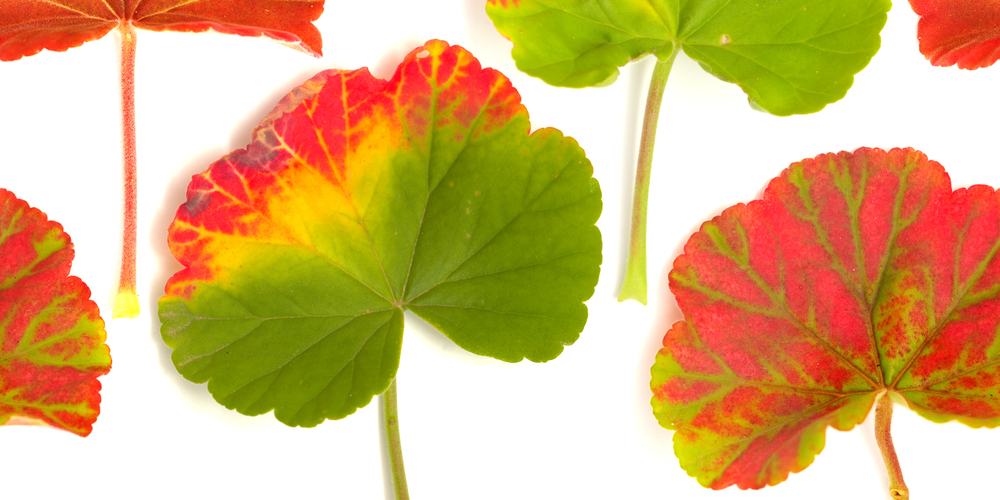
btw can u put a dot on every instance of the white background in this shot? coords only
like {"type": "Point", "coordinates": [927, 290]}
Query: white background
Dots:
{"type": "Point", "coordinates": [577, 427]}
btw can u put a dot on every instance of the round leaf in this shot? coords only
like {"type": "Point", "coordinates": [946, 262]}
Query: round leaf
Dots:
{"type": "Point", "coordinates": [857, 273]}
{"type": "Point", "coordinates": [360, 198]}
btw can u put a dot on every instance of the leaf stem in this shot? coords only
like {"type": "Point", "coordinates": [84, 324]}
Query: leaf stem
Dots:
{"type": "Point", "coordinates": [126, 303]}
{"type": "Point", "coordinates": [634, 286]}
{"type": "Point", "coordinates": [390, 411]}
{"type": "Point", "coordinates": [883, 421]}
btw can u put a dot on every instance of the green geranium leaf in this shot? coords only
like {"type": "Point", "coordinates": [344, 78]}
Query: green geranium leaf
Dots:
{"type": "Point", "coordinates": [360, 198]}
{"type": "Point", "coordinates": [789, 56]}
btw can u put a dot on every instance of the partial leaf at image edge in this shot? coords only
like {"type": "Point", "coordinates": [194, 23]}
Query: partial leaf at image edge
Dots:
{"type": "Point", "coordinates": [425, 192]}
{"type": "Point", "coordinates": [962, 32]}
{"type": "Point", "coordinates": [790, 57]}
{"type": "Point", "coordinates": [29, 26]}
{"type": "Point", "coordinates": [51, 334]}
{"type": "Point", "coordinates": [858, 275]}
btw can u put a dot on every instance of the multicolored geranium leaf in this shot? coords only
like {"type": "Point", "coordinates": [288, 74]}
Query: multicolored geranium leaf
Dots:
{"type": "Point", "coordinates": [51, 334]}
{"type": "Point", "coordinates": [789, 57]}
{"type": "Point", "coordinates": [963, 32]}
{"type": "Point", "coordinates": [857, 276]}
{"type": "Point", "coordinates": [360, 198]}
{"type": "Point", "coordinates": [29, 26]}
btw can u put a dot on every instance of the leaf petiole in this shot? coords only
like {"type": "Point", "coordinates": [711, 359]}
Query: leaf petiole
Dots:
{"type": "Point", "coordinates": [390, 412]}
{"type": "Point", "coordinates": [883, 422]}
{"type": "Point", "coordinates": [634, 285]}
{"type": "Point", "coordinates": [126, 300]}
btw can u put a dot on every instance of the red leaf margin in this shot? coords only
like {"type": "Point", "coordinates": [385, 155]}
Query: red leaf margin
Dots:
{"type": "Point", "coordinates": [29, 26]}
{"type": "Point", "coordinates": [66, 393]}
{"type": "Point", "coordinates": [963, 32]}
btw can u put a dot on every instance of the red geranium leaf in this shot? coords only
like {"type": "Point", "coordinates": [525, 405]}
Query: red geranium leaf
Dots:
{"type": "Point", "coordinates": [28, 26]}
{"type": "Point", "coordinates": [51, 334]}
{"type": "Point", "coordinates": [857, 276]}
{"type": "Point", "coordinates": [963, 32]}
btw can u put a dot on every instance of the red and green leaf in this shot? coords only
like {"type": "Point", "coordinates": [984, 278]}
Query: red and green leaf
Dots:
{"type": "Point", "coordinates": [962, 32]}
{"type": "Point", "coordinates": [858, 275]}
{"type": "Point", "coordinates": [360, 198]}
{"type": "Point", "coordinates": [29, 26]}
{"type": "Point", "coordinates": [51, 334]}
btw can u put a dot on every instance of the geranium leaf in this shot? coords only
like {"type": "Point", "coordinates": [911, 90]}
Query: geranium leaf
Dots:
{"type": "Point", "coordinates": [359, 198]}
{"type": "Point", "coordinates": [29, 26]}
{"type": "Point", "coordinates": [857, 275]}
{"type": "Point", "coordinates": [51, 334]}
{"type": "Point", "coordinates": [789, 57]}
{"type": "Point", "coordinates": [963, 32]}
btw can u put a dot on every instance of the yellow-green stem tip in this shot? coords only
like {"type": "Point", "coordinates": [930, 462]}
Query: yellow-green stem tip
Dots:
{"type": "Point", "coordinates": [126, 304]}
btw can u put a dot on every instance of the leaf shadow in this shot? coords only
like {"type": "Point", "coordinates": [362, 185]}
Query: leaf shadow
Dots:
{"type": "Point", "coordinates": [872, 453]}
{"type": "Point", "coordinates": [195, 396]}
{"type": "Point", "coordinates": [668, 312]}
{"type": "Point", "coordinates": [165, 266]}
{"type": "Point", "coordinates": [636, 76]}
{"type": "Point", "coordinates": [476, 19]}
{"type": "Point", "coordinates": [174, 195]}
{"type": "Point", "coordinates": [418, 331]}
{"type": "Point", "coordinates": [490, 44]}
{"type": "Point", "coordinates": [386, 66]}
{"type": "Point", "coordinates": [245, 125]}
